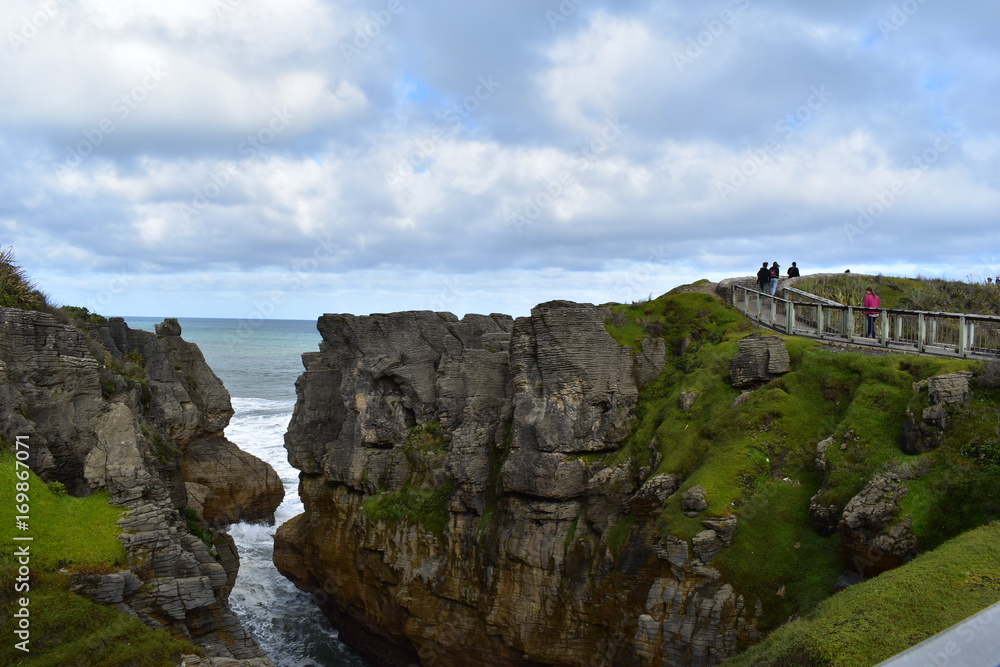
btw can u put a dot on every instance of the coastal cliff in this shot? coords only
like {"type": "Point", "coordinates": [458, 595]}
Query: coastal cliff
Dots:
{"type": "Point", "coordinates": [467, 492]}
{"type": "Point", "coordinates": [655, 484]}
{"type": "Point", "coordinates": [141, 416]}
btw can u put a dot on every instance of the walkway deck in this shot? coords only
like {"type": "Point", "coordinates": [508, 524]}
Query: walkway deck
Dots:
{"type": "Point", "coordinates": [798, 313]}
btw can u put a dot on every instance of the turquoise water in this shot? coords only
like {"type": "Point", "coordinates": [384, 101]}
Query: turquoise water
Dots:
{"type": "Point", "coordinates": [259, 363]}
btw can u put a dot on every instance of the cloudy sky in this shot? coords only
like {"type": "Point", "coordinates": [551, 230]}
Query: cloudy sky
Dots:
{"type": "Point", "coordinates": [255, 158]}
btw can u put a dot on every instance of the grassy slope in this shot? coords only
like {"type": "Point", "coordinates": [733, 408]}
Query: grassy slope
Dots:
{"type": "Point", "coordinates": [881, 617]}
{"type": "Point", "coordinates": [70, 534]}
{"type": "Point", "coordinates": [755, 460]}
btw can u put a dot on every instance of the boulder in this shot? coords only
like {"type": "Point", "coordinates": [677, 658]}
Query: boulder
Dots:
{"type": "Point", "coordinates": [759, 359]}
{"type": "Point", "coordinates": [872, 539]}
{"type": "Point", "coordinates": [694, 500]}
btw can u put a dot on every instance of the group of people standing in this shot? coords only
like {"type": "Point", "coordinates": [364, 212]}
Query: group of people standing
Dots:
{"type": "Point", "coordinates": [767, 278]}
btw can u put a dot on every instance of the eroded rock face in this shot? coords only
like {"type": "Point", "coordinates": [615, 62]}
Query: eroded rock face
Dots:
{"type": "Point", "coordinates": [500, 420]}
{"type": "Point", "coordinates": [926, 432]}
{"type": "Point", "coordinates": [759, 359]}
{"type": "Point", "coordinates": [872, 538]}
{"type": "Point", "coordinates": [137, 434]}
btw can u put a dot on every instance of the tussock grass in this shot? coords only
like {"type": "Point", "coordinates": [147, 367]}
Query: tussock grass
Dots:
{"type": "Point", "coordinates": [932, 294]}
{"type": "Point", "coordinates": [16, 290]}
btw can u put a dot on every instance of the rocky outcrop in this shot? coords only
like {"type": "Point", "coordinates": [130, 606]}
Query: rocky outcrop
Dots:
{"type": "Point", "coordinates": [943, 393]}
{"type": "Point", "coordinates": [142, 416]}
{"type": "Point", "coordinates": [872, 538]}
{"type": "Point", "coordinates": [759, 359]}
{"type": "Point", "coordinates": [456, 502]}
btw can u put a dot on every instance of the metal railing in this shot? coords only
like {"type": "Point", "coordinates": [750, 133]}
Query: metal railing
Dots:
{"type": "Point", "coordinates": [944, 334]}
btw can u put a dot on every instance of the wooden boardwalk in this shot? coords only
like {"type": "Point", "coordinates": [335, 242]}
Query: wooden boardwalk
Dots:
{"type": "Point", "coordinates": [798, 313]}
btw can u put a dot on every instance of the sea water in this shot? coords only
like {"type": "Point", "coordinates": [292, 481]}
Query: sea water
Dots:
{"type": "Point", "coordinates": [258, 362]}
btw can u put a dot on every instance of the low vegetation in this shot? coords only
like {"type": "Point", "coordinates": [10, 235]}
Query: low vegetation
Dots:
{"type": "Point", "coordinates": [70, 535]}
{"type": "Point", "coordinates": [755, 456]}
{"type": "Point", "coordinates": [931, 294]}
{"type": "Point", "coordinates": [874, 620]}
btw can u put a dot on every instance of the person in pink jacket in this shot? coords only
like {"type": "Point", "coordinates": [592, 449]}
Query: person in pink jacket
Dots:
{"type": "Point", "coordinates": [870, 305]}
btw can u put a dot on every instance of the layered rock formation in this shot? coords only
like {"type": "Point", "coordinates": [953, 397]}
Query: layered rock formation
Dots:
{"type": "Point", "coordinates": [141, 415]}
{"type": "Point", "coordinates": [458, 503]}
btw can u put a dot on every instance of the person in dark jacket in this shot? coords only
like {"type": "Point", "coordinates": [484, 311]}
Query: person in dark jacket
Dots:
{"type": "Point", "coordinates": [763, 277]}
{"type": "Point", "coordinates": [793, 271]}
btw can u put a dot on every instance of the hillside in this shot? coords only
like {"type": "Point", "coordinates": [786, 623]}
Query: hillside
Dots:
{"type": "Point", "coordinates": [668, 496]}
{"type": "Point", "coordinates": [654, 483]}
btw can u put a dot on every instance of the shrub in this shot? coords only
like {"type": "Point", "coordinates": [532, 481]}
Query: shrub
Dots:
{"type": "Point", "coordinates": [16, 291]}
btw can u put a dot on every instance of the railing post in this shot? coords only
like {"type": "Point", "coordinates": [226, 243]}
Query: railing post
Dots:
{"type": "Point", "coordinates": [819, 320]}
{"type": "Point", "coordinates": [790, 313]}
{"type": "Point", "coordinates": [850, 324]}
{"type": "Point", "coordinates": [921, 332]}
{"type": "Point", "coordinates": [972, 337]}
{"type": "Point", "coordinates": [774, 310]}
{"type": "Point", "coordinates": [899, 327]}
{"type": "Point", "coordinates": [932, 334]}
{"type": "Point", "coordinates": [885, 329]}
{"type": "Point", "coordinates": [963, 343]}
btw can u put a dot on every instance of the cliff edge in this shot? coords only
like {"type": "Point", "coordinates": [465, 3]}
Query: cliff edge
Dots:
{"type": "Point", "coordinates": [141, 415]}
{"type": "Point", "coordinates": [467, 492]}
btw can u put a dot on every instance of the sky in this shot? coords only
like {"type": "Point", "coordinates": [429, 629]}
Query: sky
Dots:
{"type": "Point", "coordinates": [258, 159]}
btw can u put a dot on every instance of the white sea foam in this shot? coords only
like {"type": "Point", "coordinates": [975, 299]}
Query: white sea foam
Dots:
{"type": "Point", "coordinates": [284, 620]}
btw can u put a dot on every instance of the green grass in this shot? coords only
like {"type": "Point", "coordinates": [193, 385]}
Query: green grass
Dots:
{"type": "Point", "coordinates": [883, 616]}
{"type": "Point", "coordinates": [742, 455]}
{"type": "Point", "coordinates": [67, 531]}
{"type": "Point", "coordinates": [427, 508]}
{"type": "Point", "coordinates": [70, 534]}
{"type": "Point", "coordinates": [69, 630]}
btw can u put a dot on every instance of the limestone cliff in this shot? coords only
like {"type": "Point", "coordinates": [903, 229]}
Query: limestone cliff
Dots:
{"type": "Point", "coordinates": [463, 497]}
{"type": "Point", "coordinates": [141, 415]}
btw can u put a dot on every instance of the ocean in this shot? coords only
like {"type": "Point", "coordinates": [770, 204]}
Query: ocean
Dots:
{"type": "Point", "coordinates": [259, 362]}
